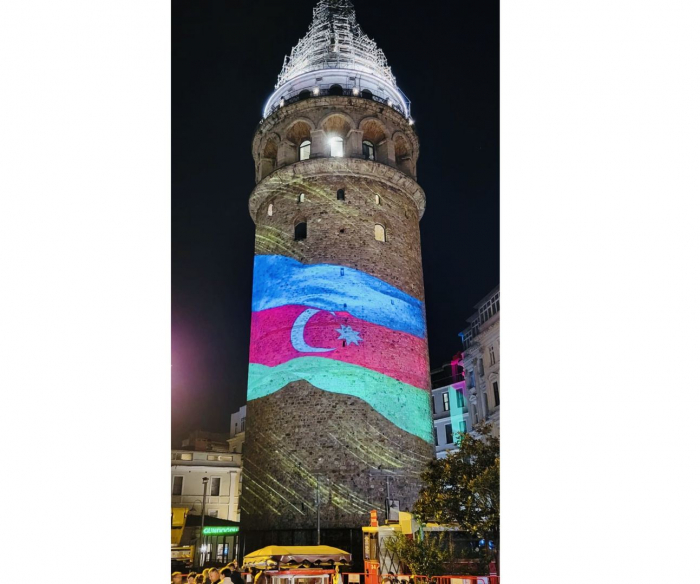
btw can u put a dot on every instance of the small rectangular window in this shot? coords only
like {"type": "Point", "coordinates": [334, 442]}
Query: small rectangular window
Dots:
{"type": "Point", "coordinates": [177, 485]}
{"type": "Point", "coordinates": [445, 402]}
{"type": "Point", "coordinates": [496, 395]}
{"type": "Point", "coordinates": [460, 399]}
{"type": "Point", "coordinates": [448, 434]}
{"type": "Point", "coordinates": [340, 194]}
{"type": "Point", "coordinates": [184, 456]}
{"type": "Point", "coordinates": [215, 486]}
{"type": "Point", "coordinates": [432, 403]}
{"type": "Point", "coordinates": [435, 436]}
{"type": "Point", "coordinates": [299, 233]}
{"type": "Point", "coordinates": [492, 355]}
{"type": "Point", "coordinates": [211, 457]}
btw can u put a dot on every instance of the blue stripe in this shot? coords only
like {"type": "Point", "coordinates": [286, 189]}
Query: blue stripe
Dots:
{"type": "Point", "coordinates": [279, 281]}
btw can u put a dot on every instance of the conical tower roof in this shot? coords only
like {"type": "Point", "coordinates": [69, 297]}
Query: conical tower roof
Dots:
{"type": "Point", "coordinates": [335, 41]}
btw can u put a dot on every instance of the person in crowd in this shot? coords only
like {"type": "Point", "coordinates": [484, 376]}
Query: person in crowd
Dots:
{"type": "Point", "coordinates": [200, 579]}
{"type": "Point", "coordinates": [236, 577]}
{"type": "Point", "coordinates": [176, 578]}
{"type": "Point", "coordinates": [226, 576]}
{"type": "Point", "coordinates": [205, 573]}
{"type": "Point", "coordinates": [191, 578]}
{"type": "Point", "coordinates": [214, 576]}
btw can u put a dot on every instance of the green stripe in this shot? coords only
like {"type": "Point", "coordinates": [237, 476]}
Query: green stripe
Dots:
{"type": "Point", "coordinates": [404, 405]}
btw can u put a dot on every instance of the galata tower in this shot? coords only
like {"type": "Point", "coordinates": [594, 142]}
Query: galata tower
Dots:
{"type": "Point", "coordinates": [339, 417]}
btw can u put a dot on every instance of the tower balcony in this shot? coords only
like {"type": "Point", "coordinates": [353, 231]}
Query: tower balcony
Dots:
{"type": "Point", "coordinates": [335, 124]}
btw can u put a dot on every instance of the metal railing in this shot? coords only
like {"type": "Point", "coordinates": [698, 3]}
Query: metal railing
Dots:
{"type": "Point", "coordinates": [305, 94]}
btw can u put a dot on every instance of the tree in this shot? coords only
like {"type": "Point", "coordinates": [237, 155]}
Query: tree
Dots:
{"type": "Point", "coordinates": [423, 556]}
{"type": "Point", "coordinates": [463, 487]}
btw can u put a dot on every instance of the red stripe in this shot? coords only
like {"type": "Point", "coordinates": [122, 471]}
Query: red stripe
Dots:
{"type": "Point", "coordinates": [396, 354]}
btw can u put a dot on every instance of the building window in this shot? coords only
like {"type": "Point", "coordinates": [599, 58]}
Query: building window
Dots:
{"type": "Point", "coordinates": [462, 426]}
{"type": "Point", "coordinates": [212, 457]}
{"type": "Point", "coordinates": [489, 308]}
{"type": "Point", "coordinates": [435, 436]}
{"type": "Point", "coordinates": [368, 150]}
{"type": "Point", "coordinates": [432, 403]}
{"type": "Point", "coordinates": [445, 402]}
{"type": "Point", "coordinates": [492, 356]}
{"type": "Point", "coordinates": [379, 232]}
{"type": "Point", "coordinates": [184, 456]}
{"type": "Point", "coordinates": [300, 198]}
{"type": "Point", "coordinates": [476, 415]}
{"type": "Point", "coordinates": [269, 210]}
{"type": "Point", "coordinates": [340, 195]}
{"type": "Point", "coordinates": [366, 93]}
{"type": "Point", "coordinates": [215, 486]}
{"type": "Point", "coordinates": [305, 150]}
{"type": "Point", "coordinates": [336, 146]}
{"type": "Point", "coordinates": [448, 434]}
{"type": "Point", "coordinates": [377, 200]}
{"type": "Point", "coordinates": [299, 234]}
{"type": "Point", "coordinates": [177, 485]}
{"type": "Point", "coordinates": [335, 89]}
{"type": "Point", "coordinates": [460, 399]}
{"type": "Point", "coordinates": [496, 395]}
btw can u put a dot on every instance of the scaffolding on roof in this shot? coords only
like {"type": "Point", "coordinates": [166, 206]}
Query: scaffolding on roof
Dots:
{"type": "Point", "coordinates": [335, 41]}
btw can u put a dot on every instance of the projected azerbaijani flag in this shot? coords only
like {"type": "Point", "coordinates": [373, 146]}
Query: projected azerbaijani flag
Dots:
{"type": "Point", "coordinates": [343, 331]}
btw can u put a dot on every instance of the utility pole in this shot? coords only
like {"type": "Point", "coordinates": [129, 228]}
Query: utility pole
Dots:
{"type": "Point", "coordinates": [318, 510]}
{"type": "Point", "coordinates": [202, 551]}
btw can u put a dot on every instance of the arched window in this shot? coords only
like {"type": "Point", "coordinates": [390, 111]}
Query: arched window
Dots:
{"type": "Point", "coordinates": [379, 232]}
{"type": "Point", "coordinates": [367, 94]}
{"type": "Point", "coordinates": [340, 195]}
{"type": "Point", "coordinates": [335, 90]}
{"type": "Point", "coordinates": [300, 198]}
{"type": "Point", "coordinates": [269, 210]}
{"type": "Point", "coordinates": [305, 150]}
{"type": "Point", "coordinates": [300, 231]}
{"type": "Point", "coordinates": [377, 199]}
{"type": "Point", "coordinates": [336, 143]}
{"type": "Point", "coordinates": [305, 94]}
{"type": "Point", "coordinates": [368, 150]}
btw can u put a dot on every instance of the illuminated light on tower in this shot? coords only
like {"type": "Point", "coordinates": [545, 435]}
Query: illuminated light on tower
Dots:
{"type": "Point", "coordinates": [338, 353]}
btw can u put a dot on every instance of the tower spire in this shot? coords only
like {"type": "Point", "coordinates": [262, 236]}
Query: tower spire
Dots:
{"type": "Point", "coordinates": [335, 41]}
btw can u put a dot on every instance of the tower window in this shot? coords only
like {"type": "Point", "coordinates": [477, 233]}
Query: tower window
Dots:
{"type": "Point", "coordinates": [336, 143]}
{"type": "Point", "coordinates": [305, 150]}
{"type": "Point", "coordinates": [300, 198]}
{"type": "Point", "coordinates": [305, 94]}
{"type": "Point", "coordinates": [367, 94]}
{"type": "Point", "coordinates": [379, 232]}
{"type": "Point", "coordinates": [377, 199]}
{"type": "Point", "coordinates": [300, 231]}
{"type": "Point", "coordinates": [269, 210]}
{"type": "Point", "coordinates": [368, 150]}
{"type": "Point", "coordinates": [340, 195]}
{"type": "Point", "coordinates": [335, 90]}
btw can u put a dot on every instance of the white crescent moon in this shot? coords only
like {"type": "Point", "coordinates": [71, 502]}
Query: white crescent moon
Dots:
{"type": "Point", "coordinates": [297, 333]}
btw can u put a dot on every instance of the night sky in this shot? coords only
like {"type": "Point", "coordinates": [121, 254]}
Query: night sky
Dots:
{"type": "Point", "coordinates": [226, 56]}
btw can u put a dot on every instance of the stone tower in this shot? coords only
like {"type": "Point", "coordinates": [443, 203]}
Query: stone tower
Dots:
{"type": "Point", "coordinates": [338, 387]}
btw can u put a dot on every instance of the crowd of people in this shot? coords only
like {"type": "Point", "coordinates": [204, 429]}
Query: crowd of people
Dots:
{"type": "Point", "coordinates": [227, 575]}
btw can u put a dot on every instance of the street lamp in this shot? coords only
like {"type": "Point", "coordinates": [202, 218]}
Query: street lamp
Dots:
{"type": "Point", "coordinates": [202, 547]}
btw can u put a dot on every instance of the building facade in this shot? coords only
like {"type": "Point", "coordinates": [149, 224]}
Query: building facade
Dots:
{"type": "Point", "coordinates": [237, 438]}
{"type": "Point", "coordinates": [450, 406]}
{"type": "Point", "coordinates": [338, 408]}
{"type": "Point", "coordinates": [223, 469]}
{"type": "Point", "coordinates": [481, 359]}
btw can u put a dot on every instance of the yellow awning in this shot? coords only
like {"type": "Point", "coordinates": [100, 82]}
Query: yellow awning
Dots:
{"type": "Point", "coordinates": [295, 555]}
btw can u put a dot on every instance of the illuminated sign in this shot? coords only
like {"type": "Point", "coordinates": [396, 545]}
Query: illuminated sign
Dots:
{"type": "Point", "coordinates": [219, 530]}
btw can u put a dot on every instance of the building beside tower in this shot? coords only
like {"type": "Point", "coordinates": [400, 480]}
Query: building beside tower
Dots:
{"type": "Point", "coordinates": [338, 415]}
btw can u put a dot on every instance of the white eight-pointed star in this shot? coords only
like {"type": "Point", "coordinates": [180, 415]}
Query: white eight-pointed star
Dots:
{"type": "Point", "coordinates": [348, 334]}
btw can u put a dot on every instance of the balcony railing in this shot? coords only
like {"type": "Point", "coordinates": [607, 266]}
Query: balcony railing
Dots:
{"type": "Point", "coordinates": [308, 94]}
